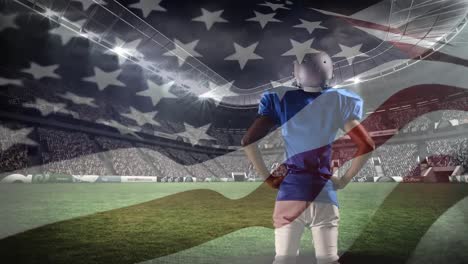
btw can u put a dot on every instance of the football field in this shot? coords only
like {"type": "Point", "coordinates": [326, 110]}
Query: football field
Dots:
{"type": "Point", "coordinates": [222, 223]}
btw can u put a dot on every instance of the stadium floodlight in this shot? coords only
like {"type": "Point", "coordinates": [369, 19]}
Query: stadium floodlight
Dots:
{"type": "Point", "coordinates": [50, 13]}
{"type": "Point", "coordinates": [120, 51]}
{"type": "Point", "coordinates": [47, 12]}
{"type": "Point", "coordinates": [205, 96]}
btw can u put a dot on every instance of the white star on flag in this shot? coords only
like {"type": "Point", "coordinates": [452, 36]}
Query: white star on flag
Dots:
{"type": "Point", "coordinates": [39, 71]}
{"type": "Point", "coordinates": [123, 49]}
{"type": "Point", "coordinates": [156, 92]}
{"type": "Point", "coordinates": [8, 21]}
{"type": "Point", "coordinates": [243, 55]}
{"type": "Point", "coordinates": [66, 34]}
{"type": "Point", "coordinates": [183, 51]}
{"type": "Point", "coordinates": [209, 18]}
{"type": "Point", "coordinates": [195, 134]}
{"type": "Point", "coordinates": [274, 6]}
{"type": "Point", "coordinates": [309, 25]}
{"type": "Point", "coordinates": [69, 112]}
{"type": "Point", "coordinates": [300, 49]}
{"type": "Point", "coordinates": [146, 6]}
{"type": "Point", "coordinates": [280, 88]}
{"type": "Point", "coordinates": [217, 92]}
{"type": "Point", "coordinates": [11, 137]}
{"type": "Point", "coordinates": [263, 19]}
{"type": "Point", "coordinates": [104, 79]}
{"type": "Point", "coordinates": [121, 128]}
{"type": "Point", "coordinates": [5, 81]}
{"type": "Point", "coordinates": [350, 52]}
{"type": "Point", "coordinates": [142, 118]}
{"type": "Point", "coordinates": [46, 107]}
{"type": "Point", "coordinates": [76, 99]}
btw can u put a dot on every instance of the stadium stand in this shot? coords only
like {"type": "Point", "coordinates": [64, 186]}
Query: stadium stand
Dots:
{"type": "Point", "coordinates": [70, 153]}
{"type": "Point", "coordinates": [397, 159]}
{"type": "Point", "coordinates": [439, 150]}
{"type": "Point", "coordinates": [160, 159]}
{"type": "Point", "coordinates": [74, 152]}
{"type": "Point", "coordinates": [13, 156]}
{"type": "Point", "coordinates": [126, 160]}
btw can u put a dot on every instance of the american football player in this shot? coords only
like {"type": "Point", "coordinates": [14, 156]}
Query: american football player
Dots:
{"type": "Point", "coordinates": [309, 117]}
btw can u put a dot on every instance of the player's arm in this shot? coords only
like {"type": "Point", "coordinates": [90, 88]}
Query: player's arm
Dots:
{"type": "Point", "coordinates": [259, 129]}
{"type": "Point", "coordinates": [365, 146]}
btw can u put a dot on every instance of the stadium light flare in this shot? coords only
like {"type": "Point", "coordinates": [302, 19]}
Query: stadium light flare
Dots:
{"type": "Point", "coordinates": [120, 51]}
{"type": "Point", "coordinates": [50, 13]}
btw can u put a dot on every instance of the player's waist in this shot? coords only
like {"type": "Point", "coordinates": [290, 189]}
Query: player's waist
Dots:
{"type": "Point", "coordinates": [314, 170]}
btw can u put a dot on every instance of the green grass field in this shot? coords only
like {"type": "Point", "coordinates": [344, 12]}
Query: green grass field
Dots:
{"type": "Point", "coordinates": [222, 223]}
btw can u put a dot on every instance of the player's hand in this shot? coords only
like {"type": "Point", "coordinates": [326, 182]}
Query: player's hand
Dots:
{"type": "Point", "coordinates": [338, 183]}
{"type": "Point", "coordinates": [277, 176]}
{"type": "Point", "coordinates": [274, 182]}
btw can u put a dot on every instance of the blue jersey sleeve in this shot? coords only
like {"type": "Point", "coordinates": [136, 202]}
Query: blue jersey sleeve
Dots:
{"type": "Point", "coordinates": [266, 107]}
{"type": "Point", "coordinates": [351, 107]}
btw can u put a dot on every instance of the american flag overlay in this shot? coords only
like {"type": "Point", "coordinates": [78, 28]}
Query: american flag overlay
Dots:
{"type": "Point", "coordinates": [156, 96]}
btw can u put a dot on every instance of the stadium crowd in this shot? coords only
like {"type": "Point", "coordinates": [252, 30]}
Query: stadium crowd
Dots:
{"type": "Point", "coordinates": [158, 157]}
{"type": "Point", "coordinates": [444, 151]}
{"type": "Point", "coordinates": [125, 159]}
{"type": "Point", "coordinates": [460, 115]}
{"type": "Point", "coordinates": [13, 157]}
{"type": "Point", "coordinates": [78, 153]}
{"type": "Point", "coordinates": [397, 159]}
{"type": "Point", "coordinates": [69, 153]}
